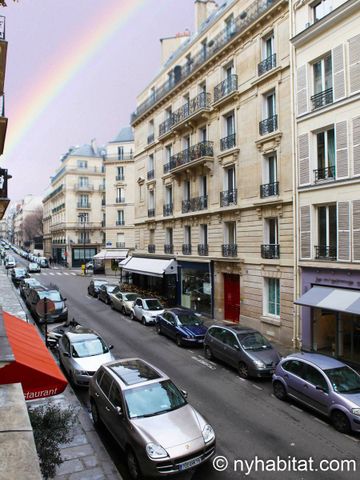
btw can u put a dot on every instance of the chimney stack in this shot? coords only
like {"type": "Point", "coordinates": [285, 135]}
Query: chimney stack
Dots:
{"type": "Point", "coordinates": [203, 9]}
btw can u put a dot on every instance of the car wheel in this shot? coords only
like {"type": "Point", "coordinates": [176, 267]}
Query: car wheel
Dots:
{"type": "Point", "coordinates": [340, 421]}
{"type": "Point", "coordinates": [208, 353]}
{"type": "Point", "coordinates": [133, 465]}
{"type": "Point", "coordinates": [279, 390]}
{"type": "Point", "coordinates": [179, 341]}
{"type": "Point", "coordinates": [72, 378]}
{"type": "Point", "coordinates": [143, 321]}
{"type": "Point", "coordinates": [95, 414]}
{"type": "Point", "coordinates": [243, 370]}
{"type": "Point", "coordinates": [112, 305]}
{"type": "Point", "coordinates": [107, 301]}
{"type": "Point", "coordinates": [132, 316]}
{"type": "Point", "coordinates": [158, 329]}
{"type": "Point", "coordinates": [123, 311]}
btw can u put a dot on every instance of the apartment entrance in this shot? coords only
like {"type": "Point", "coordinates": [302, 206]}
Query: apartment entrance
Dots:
{"type": "Point", "coordinates": [232, 297]}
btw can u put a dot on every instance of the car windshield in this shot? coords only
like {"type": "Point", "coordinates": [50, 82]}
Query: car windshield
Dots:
{"type": "Point", "coordinates": [130, 297]}
{"type": "Point", "coordinates": [189, 319]}
{"type": "Point", "coordinates": [344, 379]}
{"type": "Point", "coordinates": [254, 341]}
{"type": "Point", "coordinates": [33, 264]}
{"type": "Point", "coordinates": [99, 283]}
{"type": "Point", "coordinates": [153, 305]}
{"type": "Point", "coordinates": [153, 399]}
{"type": "Point", "coordinates": [113, 289]}
{"type": "Point", "coordinates": [89, 348]}
{"type": "Point", "coordinates": [53, 295]}
{"type": "Point", "coordinates": [20, 271]}
{"type": "Point", "coordinates": [32, 282]}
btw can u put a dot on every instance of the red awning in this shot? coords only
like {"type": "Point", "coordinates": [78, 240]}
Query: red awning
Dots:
{"type": "Point", "coordinates": [34, 367]}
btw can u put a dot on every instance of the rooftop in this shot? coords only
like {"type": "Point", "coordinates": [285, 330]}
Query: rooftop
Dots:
{"type": "Point", "coordinates": [125, 135]}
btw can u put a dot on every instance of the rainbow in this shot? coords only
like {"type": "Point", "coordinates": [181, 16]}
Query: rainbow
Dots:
{"type": "Point", "coordinates": [55, 79]}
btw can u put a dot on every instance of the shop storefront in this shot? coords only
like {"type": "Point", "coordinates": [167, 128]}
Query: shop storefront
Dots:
{"type": "Point", "coordinates": [195, 286]}
{"type": "Point", "coordinates": [78, 257]}
{"type": "Point", "coordinates": [330, 316]}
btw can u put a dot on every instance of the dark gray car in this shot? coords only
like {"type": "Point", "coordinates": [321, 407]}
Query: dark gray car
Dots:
{"type": "Point", "coordinates": [243, 348]}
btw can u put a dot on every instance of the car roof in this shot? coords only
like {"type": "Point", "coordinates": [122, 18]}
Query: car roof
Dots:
{"type": "Point", "coordinates": [179, 310]}
{"type": "Point", "coordinates": [237, 329]}
{"type": "Point", "coordinates": [98, 280]}
{"type": "Point", "coordinates": [322, 361]}
{"type": "Point", "coordinates": [79, 332]}
{"type": "Point", "coordinates": [135, 371]}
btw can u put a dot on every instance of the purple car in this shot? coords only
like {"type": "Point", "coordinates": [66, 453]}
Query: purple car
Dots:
{"type": "Point", "coordinates": [323, 383]}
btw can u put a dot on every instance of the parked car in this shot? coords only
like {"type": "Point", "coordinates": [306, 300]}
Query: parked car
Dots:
{"type": "Point", "coordinates": [36, 294]}
{"type": "Point", "coordinates": [123, 301]}
{"type": "Point", "coordinates": [322, 383]}
{"type": "Point", "coordinates": [105, 290]}
{"type": "Point", "coordinates": [244, 348]}
{"type": "Point", "coordinates": [33, 267]}
{"type": "Point", "coordinates": [10, 262]}
{"type": "Point", "coordinates": [54, 333]}
{"type": "Point", "coordinates": [94, 285]}
{"type": "Point", "coordinates": [43, 262]}
{"type": "Point", "coordinates": [182, 325]}
{"type": "Point", "coordinates": [81, 352]}
{"type": "Point", "coordinates": [18, 274]}
{"type": "Point", "coordinates": [146, 310]}
{"type": "Point", "coordinates": [27, 283]}
{"type": "Point", "coordinates": [150, 418]}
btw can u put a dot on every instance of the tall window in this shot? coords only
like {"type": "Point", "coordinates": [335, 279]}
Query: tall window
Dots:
{"type": "Point", "coordinates": [168, 153]}
{"type": "Point", "coordinates": [120, 173]}
{"type": "Point", "coordinates": [120, 240]}
{"type": "Point", "coordinates": [83, 218]}
{"type": "Point", "coordinates": [230, 26]}
{"type": "Point", "coordinates": [187, 192]}
{"type": "Point", "coordinates": [202, 134]}
{"type": "Point", "coordinates": [204, 234]}
{"type": "Point", "coordinates": [152, 236]}
{"type": "Point", "coordinates": [151, 163]}
{"type": "Point", "coordinates": [325, 143]}
{"type": "Point", "coordinates": [268, 46]}
{"type": "Point", "coordinates": [84, 200]}
{"type": "Point", "coordinates": [322, 74]}
{"type": "Point", "coordinates": [120, 217]}
{"type": "Point", "coordinates": [82, 163]}
{"type": "Point", "coordinates": [230, 233]}
{"type": "Point", "coordinates": [270, 105]}
{"type": "Point", "coordinates": [327, 232]}
{"type": "Point", "coordinates": [187, 235]}
{"type": "Point", "coordinates": [229, 179]}
{"type": "Point", "coordinates": [270, 179]}
{"type": "Point", "coordinates": [169, 236]}
{"type": "Point", "coordinates": [120, 195]}
{"type": "Point", "coordinates": [271, 231]}
{"type": "Point", "coordinates": [204, 49]}
{"type": "Point", "coordinates": [230, 124]}
{"type": "Point", "coordinates": [120, 153]}
{"type": "Point", "coordinates": [168, 195]}
{"type": "Point", "coordinates": [272, 297]}
{"type": "Point", "coordinates": [228, 70]}
{"type": "Point", "coordinates": [83, 181]}
{"type": "Point", "coordinates": [151, 200]}
{"type": "Point", "coordinates": [203, 185]}
{"type": "Point", "coordinates": [321, 8]}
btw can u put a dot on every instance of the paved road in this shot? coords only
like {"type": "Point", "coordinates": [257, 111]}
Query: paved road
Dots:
{"type": "Point", "coordinates": [247, 419]}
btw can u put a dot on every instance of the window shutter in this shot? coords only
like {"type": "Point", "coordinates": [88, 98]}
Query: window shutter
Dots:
{"type": "Point", "coordinates": [342, 161]}
{"type": "Point", "coordinates": [338, 72]}
{"type": "Point", "coordinates": [354, 63]}
{"type": "Point", "coordinates": [356, 230]}
{"type": "Point", "coordinates": [356, 144]}
{"type": "Point", "coordinates": [343, 233]}
{"type": "Point", "coordinates": [304, 166]}
{"type": "Point", "coordinates": [305, 232]}
{"type": "Point", "coordinates": [301, 83]}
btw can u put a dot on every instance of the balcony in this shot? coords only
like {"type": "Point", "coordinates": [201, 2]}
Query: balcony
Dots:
{"type": "Point", "coordinates": [325, 252]}
{"type": "Point", "coordinates": [169, 248]}
{"type": "Point", "coordinates": [120, 199]}
{"type": "Point", "coordinates": [194, 204]}
{"type": "Point", "coordinates": [120, 157]}
{"type": "Point", "coordinates": [228, 197]}
{"type": "Point", "coordinates": [151, 248]}
{"type": "Point", "coordinates": [203, 249]}
{"type": "Point", "coordinates": [192, 109]}
{"type": "Point", "coordinates": [83, 240]}
{"type": "Point", "coordinates": [83, 205]}
{"type": "Point", "coordinates": [58, 208]}
{"type": "Point", "coordinates": [228, 142]}
{"type": "Point", "coordinates": [150, 174]}
{"type": "Point", "coordinates": [268, 125]}
{"type": "Point", "coordinates": [327, 173]}
{"type": "Point", "coordinates": [151, 212]}
{"type": "Point", "coordinates": [84, 188]}
{"type": "Point", "coordinates": [120, 178]}
{"type": "Point", "coordinates": [229, 250]}
{"type": "Point", "coordinates": [165, 127]}
{"type": "Point", "coordinates": [186, 249]}
{"type": "Point", "coordinates": [168, 209]}
{"type": "Point", "coordinates": [223, 90]}
{"type": "Point", "coordinates": [266, 65]}
{"type": "Point", "coordinates": [151, 138]}
{"type": "Point", "coordinates": [247, 17]}
{"type": "Point", "coordinates": [120, 244]}
{"type": "Point", "coordinates": [120, 223]}
{"type": "Point", "coordinates": [270, 251]}
{"type": "Point", "coordinates": [322, 98]}
{"type": "Point", "coordinates": [85, 225]}
{"type": "Point", "coordinates": [269, 189]}
{"type": "Point", "coordinates": [192, 156]}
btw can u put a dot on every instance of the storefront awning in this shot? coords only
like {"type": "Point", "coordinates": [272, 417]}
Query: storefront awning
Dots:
{"type": "Point", "coordinates": [111, 254]}
{"type": "Point", "coordinates": [152, 267]}
{"type": "Point", "coordinates": [336, 299]}
{"type": "Point", "coordinates": [34, 367]}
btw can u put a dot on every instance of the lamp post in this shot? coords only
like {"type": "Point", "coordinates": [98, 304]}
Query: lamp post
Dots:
{"type": "Point", "coordinates": [83, 220]}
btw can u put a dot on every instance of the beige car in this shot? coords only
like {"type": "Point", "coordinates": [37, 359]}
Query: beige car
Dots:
{"type": "Point", "coordinates": [123, 301]}
{"type": "Point", "coordinates": [150, 418]}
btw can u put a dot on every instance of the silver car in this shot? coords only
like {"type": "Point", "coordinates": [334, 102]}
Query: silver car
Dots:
{"type": "Point", "coordinates": [81, 352]}
{"type": "Point", "coordinates": [146, 310]}
{"type": "Point", "coordinates": [150, 418]}
{"type": "Point", "coordinates": [123, 301]}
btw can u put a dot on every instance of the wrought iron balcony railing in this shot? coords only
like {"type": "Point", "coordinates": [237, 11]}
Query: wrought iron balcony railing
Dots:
{"type": "Point", "coordinates": [169, 248]}
{"type": "Point", "coordinates": [228, 197]}
{"type": "Point", "coordinates": [194, 204]}
{"type": "Point", "coordinates": [83, 205]}
{"type": "Point", "coordinates": [268, 125]}
{"type": "Point", "coordinates": [201, 101]}
{"type": "Point", "coordinates": [120, 178]}
{"type": "Point", "coordinates": [270, 251]}
{"type": "Point", "coordinates": [268, 64]}
{"type": "Point", "coordinates": [168, 209]}
{"type": "Point", "coordinates": [227, 86]}
{"type": "Point", "coordinates": [269, 189]}
{"type": "Point", "coordinates": [327, 173]}
{"type": "Point", "coordinates": [151, 248]}
{"type": "Point", "coordinates": [229, 250]}
{"type": "Point", "coordinates": [186, 249]}
{"type": "Point", "coordinates": [228, 142]}
{"type": "Point", "coordinates": [165, 126]}
{"type": "Point", "coordinates": [87, 187]}
{"type": "Point", "coordinates": [322, 98]}
{"type": "Point", "coordinates": [83, 240]}
{"type": "Point", "coordinates": [120, 244]}
{"type": "Point", "coordinates": [325, 252]}
{"type": "Point", "coordinates": [150, 174]}
{"type": "Point", "coordinates": [247, 17]}
{"type": "Point", "coordinates": [203, 249]}
{"type": "Point", "coordinates": [200, 150]}
{"type": "Point", "coordinates": [151, 212]}
{"type": "Point", "coordinates": [151, 138]}
{"type": "Point", "coordinates": [120, 222]}
{"type": "Point", "coordinates": [120, 199]}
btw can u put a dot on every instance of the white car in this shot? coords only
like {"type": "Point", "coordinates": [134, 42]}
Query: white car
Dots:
{"type": "Point", "coordinates": [10, 262]}
{"type": "Point", "coordinates": [146, 310]}
{"type": "Point", "coordinates": [33, 267]}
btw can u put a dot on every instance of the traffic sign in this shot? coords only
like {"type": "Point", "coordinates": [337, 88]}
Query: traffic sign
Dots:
{"type": "Point", "coordinates": [45, 307]}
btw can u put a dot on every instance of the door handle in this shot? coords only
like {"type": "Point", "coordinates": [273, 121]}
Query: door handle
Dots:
{"type": "Point", "coordinates": [107, 409]}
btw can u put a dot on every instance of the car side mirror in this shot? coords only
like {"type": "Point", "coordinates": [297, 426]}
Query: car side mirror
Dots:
{"type": "Point", "coordinates": [184, 393]}
{"type": "Point", "coordinates": [64, 299]}
{"type": "Point", "coordinates": [119, 411]}
{"type": "Point", "coordinates": [111, 347]}
{"type": "Point", "coordinates": [66, 354]}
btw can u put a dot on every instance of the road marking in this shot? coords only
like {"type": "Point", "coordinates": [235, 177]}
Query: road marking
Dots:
{"type": "Point", "coordinates": [58, 273]}
{"type": "Point", "coordinates": [204, 362]}
{"type": "Point", "coordinates": [73, 273]}
{"type": "Point", "coordinates": [320, 421]}
{"type": "Point", "coordinates": [65, 273]}
{"type": "Point", "coordinates": [51, 273]}
{"type": "Point", "coordinates": [256, 386]}
{"type": "Point", "coordinates": [294, 407]}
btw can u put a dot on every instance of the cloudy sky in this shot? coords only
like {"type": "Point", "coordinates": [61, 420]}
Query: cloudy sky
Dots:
{"type": "Point", "coordinates": [74, 68]}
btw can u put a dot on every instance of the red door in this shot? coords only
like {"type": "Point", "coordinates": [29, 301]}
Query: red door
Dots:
{"type": "Point", "coordinates": [232, 297]}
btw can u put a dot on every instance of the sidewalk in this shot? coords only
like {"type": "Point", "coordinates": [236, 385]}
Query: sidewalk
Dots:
{"type": "Point", "coordinates": [85, 458]}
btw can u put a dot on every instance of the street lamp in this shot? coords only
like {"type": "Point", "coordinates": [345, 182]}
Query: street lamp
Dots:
{"type": "Point", "coordinates": [83, 221]}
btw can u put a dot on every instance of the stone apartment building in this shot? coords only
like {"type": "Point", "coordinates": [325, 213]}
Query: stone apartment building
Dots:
{"type": "Point", "coordinates": [30, 205]}
{"type": "Point", "coordinates": [73, 210]}
{"type": "Point", "coordinates": [326, 56]}
{"type": "Point", "coordinates": [213, 168]}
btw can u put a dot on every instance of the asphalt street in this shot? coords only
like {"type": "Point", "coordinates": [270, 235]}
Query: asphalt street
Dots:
{"type": "Point", "coordinates": [250, 423]}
